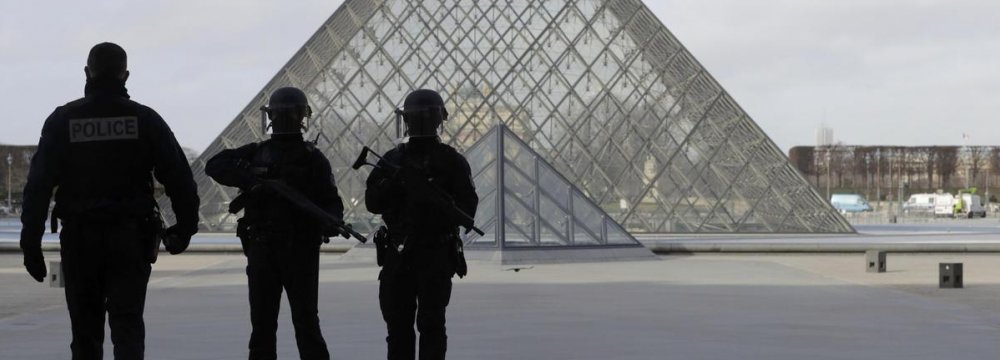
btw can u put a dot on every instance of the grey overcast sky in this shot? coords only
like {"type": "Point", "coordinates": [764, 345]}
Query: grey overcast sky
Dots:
{"type": "Point", "coordinates": [902, 72]}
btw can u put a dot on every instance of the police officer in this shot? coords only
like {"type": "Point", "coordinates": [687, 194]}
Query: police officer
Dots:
{"type": "Point", "coordinates": [415, 281]}
{"type": "Point", "coordinates": [280, 241]}
{"type": "Point", "coordinates": [101, 153]}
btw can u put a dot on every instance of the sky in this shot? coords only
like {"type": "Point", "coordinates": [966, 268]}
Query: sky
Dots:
{"type": "Point", "coordinates": [893, 72]}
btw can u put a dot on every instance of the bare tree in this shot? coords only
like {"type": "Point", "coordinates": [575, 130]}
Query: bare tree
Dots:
{"type": "Point", "coordinates": [841, 164]}
{"type": "Point", "coordinates": [804, 159]}
{"type": "Point", "coordinates": [923, 157]}
{"type": "Point", "coordinates": [994, 165]}
{"type": "Point", "coordinates": [976, 161]}
{"type": "Point", "coordinates": [946, 164]}
{"type": "Point", "coordinates": [905, 169]}
{"type": "Point", "coordinates": [863, 166]}
{"type": "Point", "coordinates": [924, 168]}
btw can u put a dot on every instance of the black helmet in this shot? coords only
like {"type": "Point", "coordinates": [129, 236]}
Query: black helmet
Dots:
{"type": "Point", "coordinates": [423, 111]}
{"type": "Point", "coordinates": [287, 108]}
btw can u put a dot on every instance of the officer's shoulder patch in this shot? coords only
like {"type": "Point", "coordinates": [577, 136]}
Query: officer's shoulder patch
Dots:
{"type": "Point", "coordinates": [103, 129]}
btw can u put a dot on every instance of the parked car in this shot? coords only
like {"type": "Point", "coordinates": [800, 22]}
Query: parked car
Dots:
{"type": "Point", "coordinates": [849, 203]}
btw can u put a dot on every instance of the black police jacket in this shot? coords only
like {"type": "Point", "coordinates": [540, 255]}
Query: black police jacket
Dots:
{"type": "Point", "coordinates": [101, 153]}
{"type": "Point", "coordinates": [408, 209]}
{"type": "Point", "coordinates": [284, 157]}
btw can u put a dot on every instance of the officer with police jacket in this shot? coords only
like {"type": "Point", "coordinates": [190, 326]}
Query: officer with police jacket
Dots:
{"type": "Point", "coordinates": [280, 240]}
{"type": "Point", "coordinates": [100, 154]}
{"type": "Point", "coordinates": [424, 250]}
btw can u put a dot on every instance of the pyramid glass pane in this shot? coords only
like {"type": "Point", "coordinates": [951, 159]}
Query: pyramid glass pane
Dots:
{"type": "Point", "coordinates": [600, 89]}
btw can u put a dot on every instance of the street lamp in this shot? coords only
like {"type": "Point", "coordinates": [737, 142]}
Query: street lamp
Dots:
{"type": "Point", "coordinates": [878, 179]}
{"type": "Point", "coordinates": [10, 161]}
{"type": "Point", "coordinates": [965, 153]}
{"type": "Point", "coordinates": [828, 175]}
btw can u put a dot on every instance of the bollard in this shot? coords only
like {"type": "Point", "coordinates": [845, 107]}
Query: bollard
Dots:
{"type": "Point", "coordinates": [950, 276]}
{"type": "Point", "coordinates": [56, 274]}
{"type": "Point", "coordinates": [875, 260]}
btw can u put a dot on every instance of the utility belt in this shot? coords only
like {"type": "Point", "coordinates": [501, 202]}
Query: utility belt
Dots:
{"type": "Point", "coordinates": [250, 231]}
{"type": "Point", "coordinates": [149, 225]}
{"type": "Point", "coordinates": [391, 246]}
{"type": "Point", "coordinates": [102, 210]}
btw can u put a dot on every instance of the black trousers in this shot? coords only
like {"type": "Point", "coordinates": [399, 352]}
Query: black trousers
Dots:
{"type": "Point", "coordinates": [106, 270]}
{"type": "Point", "coordinates": [417, 287]}
{"type": "Point", "coordinates": [291, 265]}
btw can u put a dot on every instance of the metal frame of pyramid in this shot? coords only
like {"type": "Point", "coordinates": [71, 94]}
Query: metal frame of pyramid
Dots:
{"type": "Point", "coordinates": [598, 88]}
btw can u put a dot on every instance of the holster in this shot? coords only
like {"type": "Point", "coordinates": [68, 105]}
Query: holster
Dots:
{"type": "Point", "coordinates": [383, 244]}
{"type": "Point", "coordinates": [243, 233]}
{"type": "Point", "coordinates": [152, 232]}
{"type": "Point", "coordinates": [461, 267]}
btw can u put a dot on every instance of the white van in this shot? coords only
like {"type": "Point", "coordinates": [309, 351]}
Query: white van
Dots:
{"type": "Point", "coordinates": [970, 206]}
{"type": "Point", "coordinates": [923, 203]}
{"type": "Point", "coordinates": [944, 205]}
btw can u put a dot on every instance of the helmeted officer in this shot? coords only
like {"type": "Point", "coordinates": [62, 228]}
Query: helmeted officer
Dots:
{"type": "Point", "coordinates": [415, 281]}
{"type": "Point", "coordinates": [101, 153]}
{"type": "Point", "coordinates": [280, 241]}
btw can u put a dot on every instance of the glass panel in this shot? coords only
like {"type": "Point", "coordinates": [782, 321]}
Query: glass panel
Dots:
{"type": "Point", "coordinates": [617, 235]}
{"type": "Point", "coordinates": [519, 222]}
{"type": "Point", "coordinates": [589, 220]}
{"type": "Point", "coordinates": [555, 222]}
{"type": "Point", "coordinates": [489, 240]}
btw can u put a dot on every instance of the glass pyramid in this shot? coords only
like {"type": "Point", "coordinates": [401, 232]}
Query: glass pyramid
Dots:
{"type": "Point", "coordinates": [526, 203]}
{"type": "Point", "coordinates": [599, 89]}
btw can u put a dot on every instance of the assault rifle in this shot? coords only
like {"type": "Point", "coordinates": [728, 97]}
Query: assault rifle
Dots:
{"type": "Point", "coordinates": [466, 221]}
{"type": "Point", "coordinates": [303, 203]}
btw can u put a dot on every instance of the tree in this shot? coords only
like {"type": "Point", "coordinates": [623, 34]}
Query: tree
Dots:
{"type": "Point", "coordinates": [840, 162]}
{"type": "Point", "coordinates": [946, 162]}
{"type": "Point", "coordinates": [862, 165]}
{"type": "Point", "coordinates": [977, 159]}
{"type": "Point", "coordinates": [923, 157]}
{"type": "Point", "coordinates": [804, 159]}
{"type": "Point", "coordinates": [994, 164]}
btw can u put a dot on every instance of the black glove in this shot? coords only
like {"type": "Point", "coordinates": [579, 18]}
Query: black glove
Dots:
{"type": "Point", "coordinates": [176, 240]}
{"type": "Point", "coordinates": [345, 231]}
{"type": "Point", "coordinates": [333, 230]}
{"type": "Point", "coordinates": [34, 262]}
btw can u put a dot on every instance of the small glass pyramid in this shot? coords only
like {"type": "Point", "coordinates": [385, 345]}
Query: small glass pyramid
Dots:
{"type": "Point", "coordinates": [525, 204]}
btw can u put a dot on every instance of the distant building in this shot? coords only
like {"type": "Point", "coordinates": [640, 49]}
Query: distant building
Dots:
{"type": "Point", "coordinates": [824, 136]}
{"type": "Point", "coordinates": [879, 171]}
